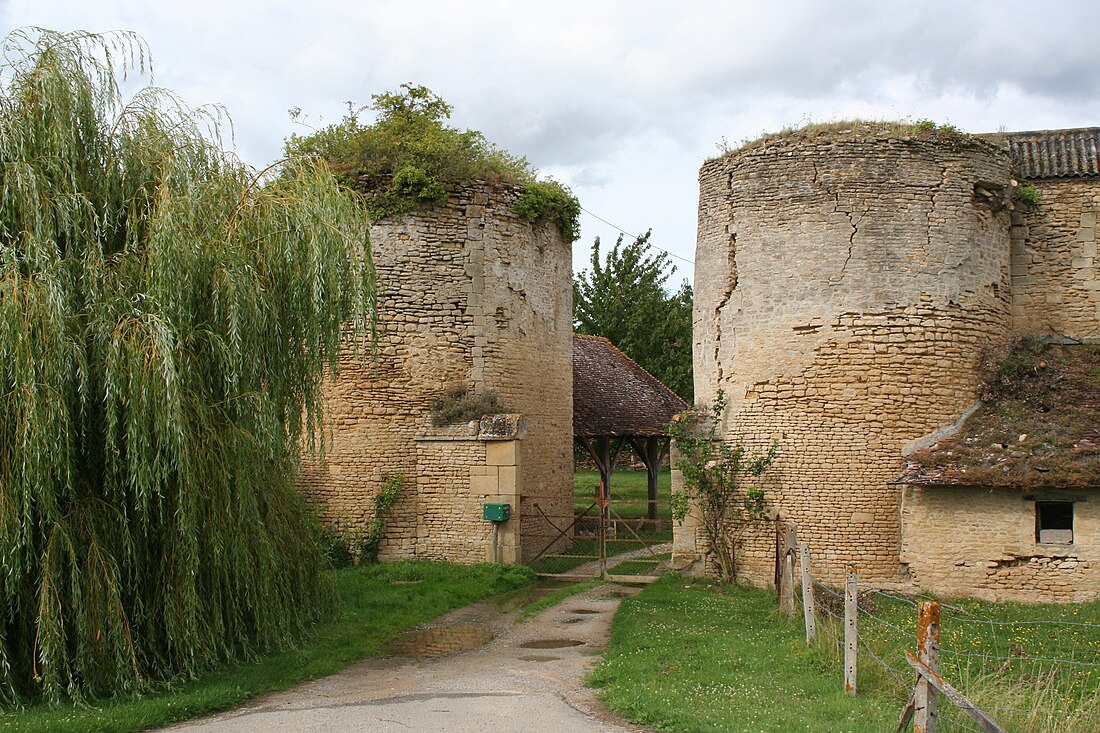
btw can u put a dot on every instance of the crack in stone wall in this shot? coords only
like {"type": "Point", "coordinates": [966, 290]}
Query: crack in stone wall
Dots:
{"type": "Point", "coordinates": [867, 286]}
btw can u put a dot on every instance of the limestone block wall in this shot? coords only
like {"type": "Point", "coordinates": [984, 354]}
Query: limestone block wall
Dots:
{"type": "Point", "coordinates": [1055, 267]}
{"type": "Point", "coordinates": [980, 542]}
{"type": "Point", "coordinates": [458, 471]}
{"type": "Point", "coordinates": [467, 293]}
{"type": "Point", "coordinates": [846, 285]}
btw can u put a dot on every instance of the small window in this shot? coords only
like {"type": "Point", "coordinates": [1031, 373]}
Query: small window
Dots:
{"type": "Point", "coordinates": [1054, 522]}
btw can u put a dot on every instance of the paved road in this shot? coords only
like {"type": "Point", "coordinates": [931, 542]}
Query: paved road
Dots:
{"type": "Point", "coordinates": [522, 680]}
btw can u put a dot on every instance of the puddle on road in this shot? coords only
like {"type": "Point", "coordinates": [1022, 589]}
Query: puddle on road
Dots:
{"type": "Point", "coordinates": [551, 644]}
{"type": "Point", "coordinates": [586, 611]}
{"type": "Point", "coordinates": [573, 620]}
{"type": "Point", "coordinates": [440, 641]}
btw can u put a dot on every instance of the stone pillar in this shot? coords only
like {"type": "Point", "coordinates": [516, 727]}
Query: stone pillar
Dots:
{"type": "Point", "coordinates": [502, 479]}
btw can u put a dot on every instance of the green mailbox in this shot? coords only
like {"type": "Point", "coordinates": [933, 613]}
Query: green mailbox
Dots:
{"type": "Point", "coordinates": [496, 512]}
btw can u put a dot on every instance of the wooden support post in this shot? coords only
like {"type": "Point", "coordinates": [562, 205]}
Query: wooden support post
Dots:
{"type": "Point", "coordinates": [988, 724]}
{"type": "Point", "coordinates": [851, 632]}
{"type": "Point", "coordinates": [788, 585]}
{"type": "Point", "coordinates": [786, 571]}
{"type": "Point", "coordinates": [808, 610]}
{"type": "Point", "coordinates": [928, 651]}
{"type": "Point", "coordinates": [652, 454]}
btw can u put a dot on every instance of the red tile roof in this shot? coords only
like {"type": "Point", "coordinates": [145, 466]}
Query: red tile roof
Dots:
{"type": "Point", "coordinates": [613, 395]}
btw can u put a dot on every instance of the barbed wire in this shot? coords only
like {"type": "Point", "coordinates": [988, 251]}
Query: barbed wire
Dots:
{"type": "Point", "coordinates": [893, 597]}
{"type": "Point", "coordinates": [897, 674]}
{"type": "Point", "coordinates": [1020, 658]}
{"type": "Point", "coordinates": [865, 612]}
{"type": "Point", "coordinates": [1036, 622]}
{"type": "Point", "coordinates": [827, 590]}
{"type": "Point", "coordinates": [960, 723]}
{"type": "Point", "coordinates": [1045, 711]}
{"type": "Point", "coordinates": [960, 616]}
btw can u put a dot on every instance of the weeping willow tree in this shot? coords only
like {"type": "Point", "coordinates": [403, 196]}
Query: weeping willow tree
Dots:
{"type": "Point", "coordinates": [166, 314]}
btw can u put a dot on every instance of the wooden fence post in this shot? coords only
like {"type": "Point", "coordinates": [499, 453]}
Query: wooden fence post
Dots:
{"type": "Point", "coordinates": [788, 585]}
{"type": "Point", "coordinates": [786, 571]}
{"type": "Point", "coordinates": [808, 610]}
{"type": "Point", "coordinates": [851, 636]}
{"type": "Point", "coordinates": [928, 651]}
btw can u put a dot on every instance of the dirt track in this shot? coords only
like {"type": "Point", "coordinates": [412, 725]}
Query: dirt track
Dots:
{"type": "Point", "coordinates": [529, 677]}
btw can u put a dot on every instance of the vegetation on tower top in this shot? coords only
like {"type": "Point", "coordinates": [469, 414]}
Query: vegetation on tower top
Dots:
{"type": "Point", "coordinates": [409, 154]}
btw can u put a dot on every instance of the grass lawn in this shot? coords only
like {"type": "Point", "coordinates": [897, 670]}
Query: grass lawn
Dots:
{"type": "Point", "coordinates": [377, 603]}
{"type": "Point", "coordinates": [629, 493]}
{"type": "Point", "coordinates": [687, 655]}
{"type": "Point", "coordinates": [629, 506]}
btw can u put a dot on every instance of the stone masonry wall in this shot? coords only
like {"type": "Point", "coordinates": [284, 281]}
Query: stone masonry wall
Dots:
{"type": "Point", "coordinates": [965, 541]}
{"type": "Point", "coordinates": [1055, 267]}
{"type": "Point", "coordinates": [459, 469]}
{"type": "Point", "coordinates": [846, 285]}
{"type": "Point", "coordinates": [467, 293]}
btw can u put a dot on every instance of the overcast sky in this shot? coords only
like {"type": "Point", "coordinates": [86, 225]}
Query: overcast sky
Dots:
{"type": "Point", "coordinates": [621, 100]}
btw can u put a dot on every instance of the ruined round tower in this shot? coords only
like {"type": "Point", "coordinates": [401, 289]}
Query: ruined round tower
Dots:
{"type": "Point", "coordinates": [847, 282]}
{"type": "Point", "coordinates": [472, 294]}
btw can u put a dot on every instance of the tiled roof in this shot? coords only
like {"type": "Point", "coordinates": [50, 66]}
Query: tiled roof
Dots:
{"type": "Point", "coordinates": [613, 395]}
{"type": "Point", "coordinates": [1055, 153]}
{"type": "Point", "coordinates": [1043, 431]}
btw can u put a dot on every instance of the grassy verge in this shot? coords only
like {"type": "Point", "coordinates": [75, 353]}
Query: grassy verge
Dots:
{"type": "Point", "coordinates": [629, 492]}
{"type": "Point", "coordinates": [690, 656]}
{"type": "Point", "coordinates": [556, 597]}
{"type": "Point", "coordinates": [377, 603]}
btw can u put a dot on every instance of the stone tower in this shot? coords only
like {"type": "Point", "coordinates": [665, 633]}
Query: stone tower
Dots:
{"type": "Point", "coordinates": [847, 282]}
{"type": "Point", "coordinates": [468, 293]}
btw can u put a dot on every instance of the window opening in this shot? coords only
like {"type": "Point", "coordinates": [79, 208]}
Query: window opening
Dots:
{"type": "Point", "coordinates": [1054, 522]}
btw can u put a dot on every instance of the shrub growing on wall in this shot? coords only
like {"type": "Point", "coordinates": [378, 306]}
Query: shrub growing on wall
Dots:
{"type": "Point", "coordinates": [165, 316]}
{"type": "Point", "coordinates": [405, 158]}
{"type": "Point", "coordinates": [717, 482]}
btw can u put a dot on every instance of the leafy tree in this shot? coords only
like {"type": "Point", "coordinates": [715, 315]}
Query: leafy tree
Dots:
{"type": "Point", "coordinates": [165, 318]}
{"type": "Point", "coordinates": [624, 299]}
{"type": "Point", "coordinates": [408, 155]}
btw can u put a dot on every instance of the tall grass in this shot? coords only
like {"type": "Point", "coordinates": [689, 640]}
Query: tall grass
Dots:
{"type": "Point", "coordinates": [1034, 669]}
{"type": "Point", "coordinates": [165, 317]}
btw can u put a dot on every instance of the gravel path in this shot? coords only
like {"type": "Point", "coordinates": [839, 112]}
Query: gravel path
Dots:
{"type": "Point", "coordinates": [528, 678]}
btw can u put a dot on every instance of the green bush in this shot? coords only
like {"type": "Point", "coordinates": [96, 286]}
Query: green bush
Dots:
{"type": "Point", "coordinates": [408, 155]}
{"type": "Point", "coordinates": [1028, 194]}
{"type": "Point", "coordinates": [333, 545]}
{"type": "Point", "coordinates": [554, 201]}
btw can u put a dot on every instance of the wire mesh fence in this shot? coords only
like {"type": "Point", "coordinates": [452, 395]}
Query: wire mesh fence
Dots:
{"type": "Point", "coordinates": [1033, 669]}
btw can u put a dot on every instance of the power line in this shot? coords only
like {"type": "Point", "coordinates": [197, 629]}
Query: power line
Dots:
{"type": "Point", "coordinates": [636, 237]}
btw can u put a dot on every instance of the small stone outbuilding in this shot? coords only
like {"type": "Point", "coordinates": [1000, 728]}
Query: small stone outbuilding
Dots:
{"type": "Point", "coordinates": [1009, 505]}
